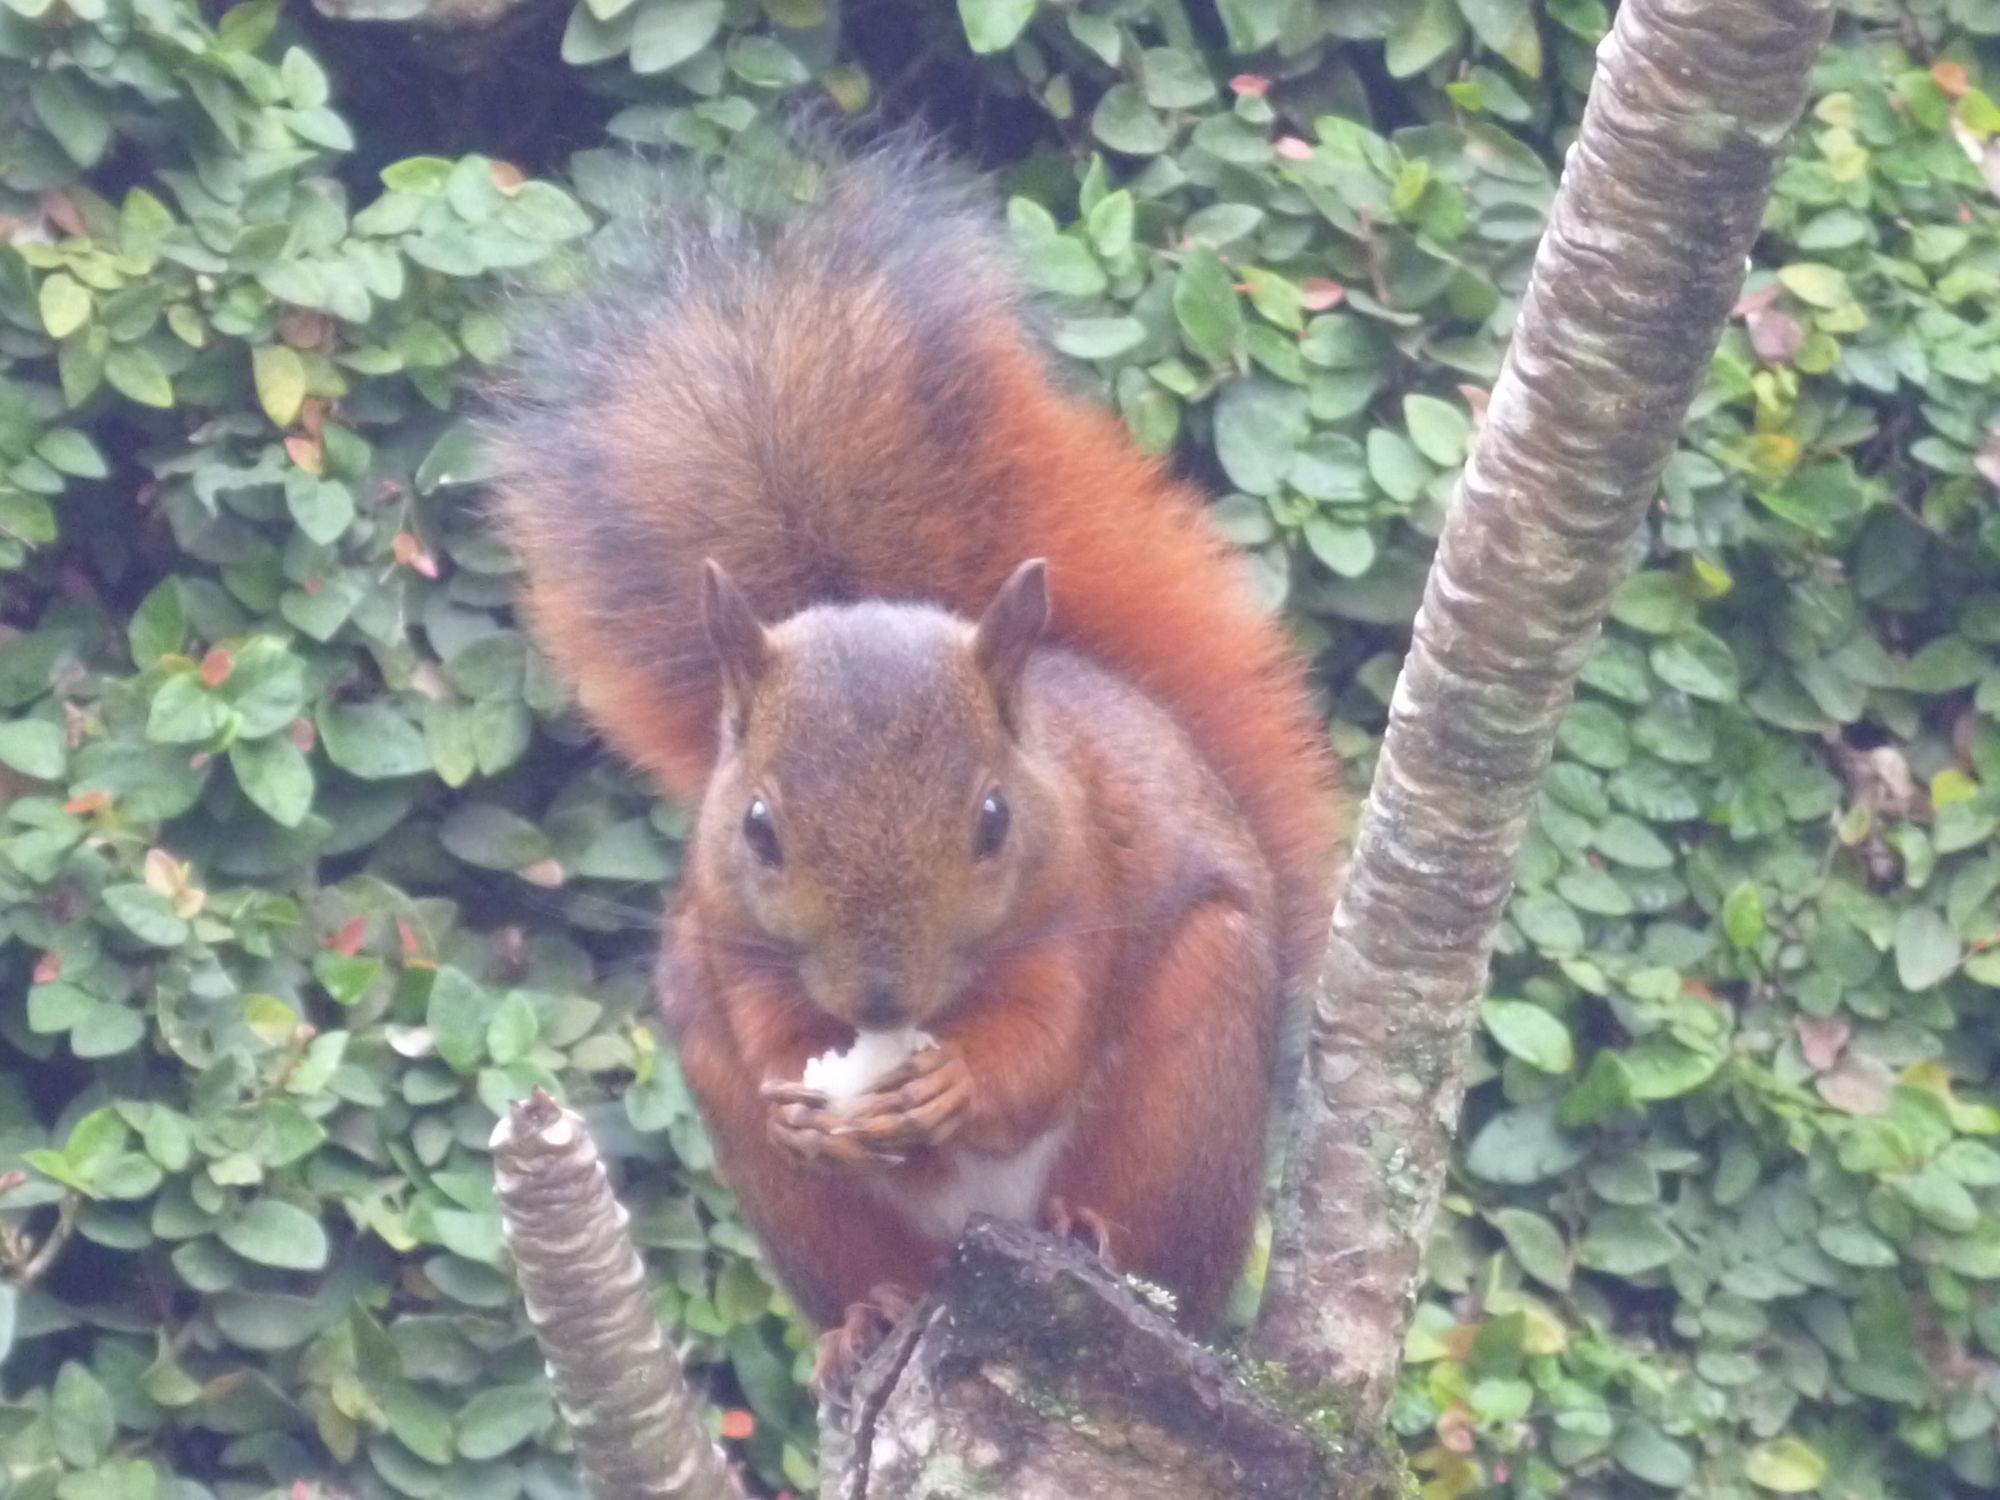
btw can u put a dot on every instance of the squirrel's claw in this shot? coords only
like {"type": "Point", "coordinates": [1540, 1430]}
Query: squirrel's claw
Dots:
{"type": "Point", "coordinates": [923, 1103]}
{"type": "Point", "coordinates": [841, 1351]}
{"type": "Point", "coordinates": [818, 1138]}
{"type": "Point", "coordinates": [1065, 1220]}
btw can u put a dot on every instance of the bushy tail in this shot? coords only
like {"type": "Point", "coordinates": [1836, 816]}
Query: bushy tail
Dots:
{"type": "Point", "coordinates": [846, 404]}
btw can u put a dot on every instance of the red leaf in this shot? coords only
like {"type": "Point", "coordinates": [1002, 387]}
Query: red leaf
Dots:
{"type": "Point", "coordinates": [307, 452]}
{"type": "Point", "coordinates": [1951, 78]}
{"type": "Point", "coordinates": [1293, 149]}
{"type": "Point", "coordinates": [215, 667]}
{"type": "Point", "coordinates": [1775, 335]}
{"type": "Point", "coordinates": [738, 1424]}
{"type": "Point", "coordinates": [302, 734]}
{"type": "Point", "coordinates": [1256, 85]}
{"type": "Point", "coordinates": [1821, 1041]}
{"type": "Point", "coordinates": [507, 177]}
{"type": "Point", "coordinates": [48, 968]}
{"type": "Point", "coordinates": [1321, 292]}
{"type": "Point", "coordinates": [1859, 1085]}
{"type": "Point", "coordinates": [86, 803]}
{"type": "Point", "coordinates": [411, 554]}
{"type": "Point", "coordinates": [413, 950]}
{"type": "Point", "coordinates": [1755, 302]}
{"type": "Point", "coordinates": [348, 940]}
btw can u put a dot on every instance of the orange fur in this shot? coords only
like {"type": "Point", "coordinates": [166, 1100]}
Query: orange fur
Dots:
{"type": "Point", "coordinates": [851, 409]}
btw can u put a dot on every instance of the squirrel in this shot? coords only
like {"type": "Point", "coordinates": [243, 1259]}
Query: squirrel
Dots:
{"type": "Point", "coordinates": [984, 731]}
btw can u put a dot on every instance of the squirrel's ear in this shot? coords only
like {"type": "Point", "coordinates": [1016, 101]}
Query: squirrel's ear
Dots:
{"type": "Point", "coordinates": [1011, 627]}
{"type": "Point", "coordinates": [736, 634]}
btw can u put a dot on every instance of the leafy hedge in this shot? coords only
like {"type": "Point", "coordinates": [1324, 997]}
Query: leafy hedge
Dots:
{"type": "Point", "coordinates": [304, 870]}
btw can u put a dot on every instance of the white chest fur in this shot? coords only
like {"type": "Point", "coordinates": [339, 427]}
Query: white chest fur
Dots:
{"type": "Point", "coordinates": [1006, 1187]}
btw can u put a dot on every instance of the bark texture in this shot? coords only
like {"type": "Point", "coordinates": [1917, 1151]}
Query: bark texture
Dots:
{"type": "Point", "coordinates": [1035, 1374]}
{"type": "Point", "coordinates": [1644, 255]}
{"type": "Point", "coordinates": [638, 1427]}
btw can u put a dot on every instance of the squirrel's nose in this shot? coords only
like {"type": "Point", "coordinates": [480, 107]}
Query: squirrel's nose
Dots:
{"type": "Point", "coordinates": [881, 1005]}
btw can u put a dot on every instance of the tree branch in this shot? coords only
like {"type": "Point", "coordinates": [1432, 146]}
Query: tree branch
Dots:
{"type": "Point", "coordinates": [1033, 1372]}
{"type": "Point", "coordinates": [638, 1427]}
{"type": "Point", "coordinates": [1644, 254]}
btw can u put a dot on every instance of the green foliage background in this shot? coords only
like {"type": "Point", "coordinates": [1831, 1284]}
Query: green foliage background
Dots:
{"type": "Point", "coordinates": [304, 871]}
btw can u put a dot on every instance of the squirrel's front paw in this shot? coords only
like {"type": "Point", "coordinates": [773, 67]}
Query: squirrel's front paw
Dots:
{"type": "Point", "coordinates": [922, 1103]}
{"type": "Point", "coordinates": [804, 1128]}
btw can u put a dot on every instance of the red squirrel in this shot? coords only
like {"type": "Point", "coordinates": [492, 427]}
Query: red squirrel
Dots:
{"type": "Point", "coordinates": [984, 731]}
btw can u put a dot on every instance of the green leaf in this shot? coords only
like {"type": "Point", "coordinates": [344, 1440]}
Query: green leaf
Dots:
{"type": "Point", "coordinates": [994, 25]}
{"type": "Point", "coordinates": [1604, 1090]}
{"type": "Point", "coordinates": [1530, 1033]}
{"type": "Point", "coordinates": [274, 774]}
{"type": "Point", "coordinates": [1627, 1241]}
{"type": "Point", "coordinates": [1661, 1068]}
{"type": "Point", "coordinates": [1816, 284]}
{"type": "Point", "coordinates": [65, 305]}
{"type": "Point", "coordinates": [1537, 1244]}
{"type": "Point", "coordinates": [669, 32]}
{"type": "Point", "coordinates": [1396, 466]}
{"type": "Point", "coordinates": [72, 113]}
{"type": "Point", "coordinates": [158, 627]}
{"type": "Point", "coordinates": [135, 374]}
{"type": "Point", "coordinates": [34, 747]}
{"type": "Point", "coordinates": [1259, 424]}
{"type": "Point", "coordinates": [1429, 30]}
{"type": "Point", "coordinates": [184, 712]}
{"type": "Point", "coordinates": [766, 63]}
{"type": "Point", "coordinates": [1697, 663]}
{"type": "Point", "coordinates": [1522, 1145]}
{"type": "Point", "coordinates": [501, 1418]}
{"type": "Point", "coordinates": [1855, 1244]}
{"type": "Point", "coordinates": [1787, 1465]}
{"type": "Point", "coordinates": [146, 914]}
{"type": "Point", "coordinates": [1647, 1453]}
{"type": "Point", "coordinates": [1927, 950]}
{"type": "Point", "coordinates": [81, 1420]}
{"type": "Point", "coordinates": [512, 1031]}
{"type": "Point", "coordinates": [1099, 338]}
{"type": "Point", "coordinates": [322, 508]}
{"type": "Point", "coordinates": [1940, 1198]}
{"type": "Point", "coordinates": [1439, 429]}
{"type": "Point", "coordinates": [272, 1232]}
{"type": "Point", "coordinates": [372, 741]}
{"type": "Point", "coordinates": [458, 1015]}
{"type": "Point", "coordinates": [304, 80]}
{"type": "Point", "coordinates": [1125, 122]}
{"type": "Point", "coordinates": [1349, 551]}
{"type": "Point", "coordinates": [67, 450]}
{"type": "Point", "coordinates": [455, 459]}
{"type": "Point", "coordinates": [1173, 79]}
{"type": "Point", "coordinates": [280, 377]}
{"type": "Point", "coordinates": [1205, 305]}
{"type": "Point", "coordinates": [1743, 915]}
{"type": "Point", "coordinates": [1654, 602]}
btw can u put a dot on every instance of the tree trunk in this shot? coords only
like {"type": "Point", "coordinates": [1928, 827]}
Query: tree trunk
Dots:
{"type": "Point", "coordinates": [1659, 205]}
{"type": "Point", "coordinates": [638, 1426]}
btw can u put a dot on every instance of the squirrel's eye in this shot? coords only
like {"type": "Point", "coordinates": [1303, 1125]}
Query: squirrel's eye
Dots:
{"type": "Point", "coordinates": [992, 832]}
{"type": "Point", "coordinates": [761, 834]}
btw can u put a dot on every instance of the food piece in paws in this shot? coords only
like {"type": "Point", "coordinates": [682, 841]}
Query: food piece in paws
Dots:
{"type": "Point", "coordinates": [842, 1077]}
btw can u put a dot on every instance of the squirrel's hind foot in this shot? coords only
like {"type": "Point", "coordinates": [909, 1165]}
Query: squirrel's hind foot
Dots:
{"type": "Point", "coordinates": [842, 1350]}
{"type": "Point", "coordinates": [1075, 1222]}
